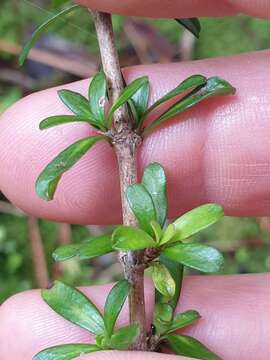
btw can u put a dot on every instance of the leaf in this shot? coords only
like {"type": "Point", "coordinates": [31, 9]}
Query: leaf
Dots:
{"type": "Point", "coordinates": [66, 252]}
{"type": "Point", "coordinates": [60, 120]}
{"type": "Point", "coordinates": [184, 319]}
{"type": "Point", "coordinates": [157, 230]}
{"type": "Point", "coordinates": [89, 249]}
{"type": "Point", "coordinates": [191, 24]}
{"type": "Point", "coordinates": [77, 103]}
{"type": "Point", "coordinates": [40, 30]}
{"type": "Point", "coordinates": [58, 3]}
{"type": "Point", "coordinates": [154, 180]}
{"type": "Point", "coordinates": [139, 102]}
{"type": "Point", "coordinates": [176, 270]}
{"type": "Point", "coordinates": [163, 280]}
{"type": "Point", "coordinates": [214, 87]}
{"type": "Point", "coordinates": [49, 178]}
{"type": "Point", "coordinates": [74, 306]}
{"type": "Point", "coordinates": [114, 304]}
{"type": "Point", "coordinates": [94, 247]}
{"type": "Point", "coordinates": [190, 347]}
{"type": "Point", "coordinates": [66, 352]}
{"type": "Point", "coordinates": [98, 97]}
{"type": "Point", "coordinates": [169, 233]}
{"type": "Point", "coordinates": [196, 256]}
{"type": "Point", "coordinates": [196, 220]}
{"type": "Point", "coordinates": [142, 206]}
{"type": "Point", "coordinates": [124, 337]}
{"type": "Point", "coordinates": [128, 92]}
{"type": "Point", "coordinates": [163, 316]}
{"type": "Point", "coordinates": [129, 238]}
{"type": "Point", "coordinates": [188, 84]}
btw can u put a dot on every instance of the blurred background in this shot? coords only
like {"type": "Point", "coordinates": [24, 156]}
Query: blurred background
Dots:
{"type": "Point", "coordinates": [67, 53]}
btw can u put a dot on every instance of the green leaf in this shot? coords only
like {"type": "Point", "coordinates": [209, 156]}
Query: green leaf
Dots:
{"type": "Point", "coordinates": [196, 256]}
{"type": "Point", "coordinates": [89, 249]}
{"type": "Point", "coordinates": [98, 97]}
{"type": "Point", "coordinates": [214, 87]}
{"type": "Point", "coordinates": [191, 24]}
{"type": "Point", "coordinates": [129, 238]}
{"type": "Point", "coordinates": [139, 102]}
{"type": "Point", "coordinates": [124, 337]}
{"type": "Point", "coordinates": [184, 319]}
{"type": "Point", "coordinates": [77, 103]}
{"type": "Point", "coordinates": [142, 206]}
{"type": "Point", "coordinates": [176, 270]}
{"type": "Point", "coordinates": [163, 280]}
{"type": "Point", "coordinates": [66, 352]}
{"type": "Point", "coordinates": [58, 3]}
{"type": "Point", "coordinates": [36, 35]}
{"type": "Point", "coordinates": [128, 92]}
{"type": "Point", "coordinates": [190, 347]}
{"type": "Point", "coordinates": [163, 316]}
{"type": "Point", "coordinates": [157, 230]}
{"type": "Point", "coordinates": [188, 84]}
{"type": "Point", "coordinates": [154, 180]}
{"type": "Point", "coordinates": [74, 306]}
{"type": "Point", "coordinates": [196, 220]}
{"type": "Point", "coordinates": [60, 120]}
{"type": "Point", "coordinates": [114, 303]}
{"type": "Point", "coordinates": [169, 233]}
{"type": "Point", "coordinates": [49, 178]}
{"type": "Point", "coordinates": [96, 246]}
{"type": "Point", "coordinates": [66, 252]}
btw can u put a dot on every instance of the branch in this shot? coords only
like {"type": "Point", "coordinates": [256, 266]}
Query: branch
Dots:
{"type": "Point", "coordinates": [125, 142]}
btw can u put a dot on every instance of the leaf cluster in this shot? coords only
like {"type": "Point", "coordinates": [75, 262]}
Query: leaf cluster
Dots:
{"type": "Point", "coordinates": [75, 307]}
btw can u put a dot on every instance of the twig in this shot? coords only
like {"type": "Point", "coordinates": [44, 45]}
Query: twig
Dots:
{"type": "Point", "coordinates": [125, 143]}
{"type": "Point", "coordinates": [80, 69]}
{"type": "Point", "coordinates": [37, 248]}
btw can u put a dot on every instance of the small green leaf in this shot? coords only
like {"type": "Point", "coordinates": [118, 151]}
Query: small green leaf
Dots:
{"type": "Point", "coordinates": [154, 180]}
{"type": "Point", "coordinates": [196, 256]}
{"type": "Point", "coordinates": [196, 220]}
{"type": "Point", "coordinates": [114, 304]}
{"type": "Point", "coordinates": [60, 120]}
{"type": "Point", "coordinates": [66, 252]}
{"type": "Point", "coordinates": [98, 97]}
{"type": "Point", "coordinates": [169, 233]}
{"type": "Point", "coordinates": [190, 347]}
{"type": "Point", "coordinates": [163, 316]}
{"type": "Point", "coordinates": [163, 280]}
{"type": "Point", "coordinates": [124, 337]}
{"type": "Point", "coordinates": [66, 352]}
{"type": "Point", "coordinates": [139, 102]}
{"type": "Point", "coordinates": [127, 94]}
{"type": "Point", "coordinates": [184, 319]}
{"type": "Point", "coordinates": [94, 247]}
{"type": "Point", "coordinates": [89, 249]}
{"type": "Point", "coordinates": [58, 3]}
{"type": "Point", "coordinates": [49, 178]}
{"type": "Point", "coordinates": [157, 230]}
{"type": "Point", "coordinates": [36, 35]}
{"type": "Point", "coordinates": [188, 84]}
{"type": "Point", "coordinates": [77, 103]}
{"type": "Point", "coordinates": [142, 206]}
{"type": "Point", "coordinates": [214, 87]}
{"type": "Point", "coordinates": [129, 238]}
{"type": "Point", "coordinates": [191, 24]}
{"type": "Point", "coordinates": [176, 270]}
{"type": "Point", "coordinates": [74, 306]}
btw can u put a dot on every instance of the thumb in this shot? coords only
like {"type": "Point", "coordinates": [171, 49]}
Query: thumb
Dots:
{"type": "Point", "coordinates": [130, 355]}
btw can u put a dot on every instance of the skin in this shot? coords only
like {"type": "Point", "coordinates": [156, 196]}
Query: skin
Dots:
{"type": "Point", "coordinates": [216, 153]}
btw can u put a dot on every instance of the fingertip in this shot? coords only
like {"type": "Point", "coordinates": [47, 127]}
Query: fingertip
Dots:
{"type": "Point", "coordinates": [128, 355]}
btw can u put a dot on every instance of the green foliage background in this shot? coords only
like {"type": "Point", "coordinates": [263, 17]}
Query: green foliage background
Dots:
{"type": "Point", "coordinates": [246, 244]}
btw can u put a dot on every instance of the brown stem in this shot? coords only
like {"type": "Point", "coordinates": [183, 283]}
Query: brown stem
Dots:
{"type": "Point", "coordinates": [125, 142]}
{"type": "Point", "coordinates": [39, 261]}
